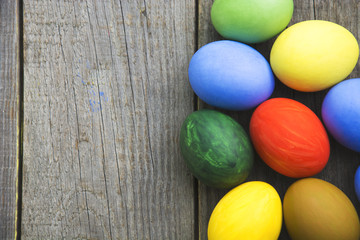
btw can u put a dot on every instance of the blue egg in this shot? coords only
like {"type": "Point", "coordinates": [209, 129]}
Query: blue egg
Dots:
{"type": "Point", "coordinates": [341, 113]}
{"type": "Point", "coordinates": [357, 183]}
{"type": "Point", "coordinates": [230, 75]}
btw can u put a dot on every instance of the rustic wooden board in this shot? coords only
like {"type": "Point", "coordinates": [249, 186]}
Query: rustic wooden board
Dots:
{"type": "Point", "coordinates": [343, 162]}
{"type": "Point", "coordinates": [106, 92]}
{"type": "Point", "coordinates": [9, 116]}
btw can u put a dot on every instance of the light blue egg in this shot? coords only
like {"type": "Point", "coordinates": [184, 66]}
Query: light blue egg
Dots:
{"type": "Point", "coordinates": [357, 183]}
{"type": "Point", "coordinates": [230, 75]}
{"type": "Point", "coordinates": [341, 113]}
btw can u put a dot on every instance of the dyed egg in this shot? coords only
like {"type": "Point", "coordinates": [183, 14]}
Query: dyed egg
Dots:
{"type": "Point", "coordinates": [341, 113]}
{"type": "Point", "coordinates": [251, 211]}
{"type": "Point", "coordinates": [216, 149]}
{"type": "Point", "coordinates": [314, 55]}
{"type": "Point", "coordinates": [230, 75]}
{"type": "Point", "coordinates": [357, 183]}
{"type": "Point", "coordinates": [251, 21]}
{"type": "Point", "coordinates": [315, 209]}
{"type": "Point", "coordinates": [289, 137]}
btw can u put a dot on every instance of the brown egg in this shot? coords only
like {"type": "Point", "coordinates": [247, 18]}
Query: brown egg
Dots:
{"type": "Point", "coordinates": [316, 209]}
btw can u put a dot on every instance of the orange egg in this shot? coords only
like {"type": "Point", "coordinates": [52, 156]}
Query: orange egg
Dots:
{"type": "Point", "coordinates": [289, 137]}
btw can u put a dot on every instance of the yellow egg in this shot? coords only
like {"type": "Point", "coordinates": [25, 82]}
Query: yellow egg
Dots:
{"type": "Point", "coordinates": [315, 209]}
{"type": "Point", "coordinates": [314, 55]}
{"type": "Point", "coordinates": [251, 211]}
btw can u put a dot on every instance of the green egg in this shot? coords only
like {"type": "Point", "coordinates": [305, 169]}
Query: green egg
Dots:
{"type": "Point", "coordinates": [251, 21]}
{"type": "Point", "coordinates": [216, 149]}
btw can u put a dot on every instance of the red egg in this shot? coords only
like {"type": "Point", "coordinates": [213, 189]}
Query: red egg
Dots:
{"type": "Point", "coordinates": [289, 137]}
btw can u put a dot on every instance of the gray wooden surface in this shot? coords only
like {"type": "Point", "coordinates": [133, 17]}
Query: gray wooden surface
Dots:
{"type": "Point", "coordinates": [9, 116]}
{"type": "Point", "coordinates": [105, 93]}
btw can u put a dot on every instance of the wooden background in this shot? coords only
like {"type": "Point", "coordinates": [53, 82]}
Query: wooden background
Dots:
{"type": "Point", "coordinates": [92, 97]}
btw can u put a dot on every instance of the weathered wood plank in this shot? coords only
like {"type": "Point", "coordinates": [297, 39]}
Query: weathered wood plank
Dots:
{"type": "Point", "coordinates": [9, 116]}
{"type": "Point", "coordinates": [106, 91]}
{"type": "Point", "coordinates": [343, 162]}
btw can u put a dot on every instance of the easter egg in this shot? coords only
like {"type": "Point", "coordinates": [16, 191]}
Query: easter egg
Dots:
{"type": "Point", "coordinates": [289, 137]}
{"type": "Point", "coordinates": [251, 21]}
{"type": "Point", "coordinates": [341, 113]}
{"type": "Point", "coordinates": [314, 55]}
{"type": "Point", "coordinates": [357, 183]}
{"type": "Point", "coordinates": [251, 211]}
{"type": "Point", "coordinates": [216, 149]}
{"type": "Point", "coordinates": [315, 209]}
{"type": "Point", "coordinates": [230, 75]}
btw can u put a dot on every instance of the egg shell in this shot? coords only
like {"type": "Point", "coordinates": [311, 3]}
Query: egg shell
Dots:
{"type": "Point", "coordinates": [251, 211]}
{"type": "Point", "coordinates": [341, 113]}
{"type": "Point", "coordinates": [216, 149]}
{"type": "Point", "coordinates": [357, 183]}
{"type": "Point", "coordinates": [316, 209]}
{"type": "Point", "coordinates": [251, 21]}
{"type": "Point", "coordinates": [314, 55]}
{"type": "Point", "coordinates": [289, 137]}
{"type": "Point", "coordinates": [230, 75]}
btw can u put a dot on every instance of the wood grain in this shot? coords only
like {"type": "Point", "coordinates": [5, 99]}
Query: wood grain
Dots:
{"type": "Point", "coordinates": [342, 163]}
{"type": "Point", "coordinates": [106, 92]}
{"type": "Point", "coordinates": [9, 116]}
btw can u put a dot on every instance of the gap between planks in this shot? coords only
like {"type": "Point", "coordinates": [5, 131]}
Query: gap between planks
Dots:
{"type": "Point", "coordinates": [19, 166]}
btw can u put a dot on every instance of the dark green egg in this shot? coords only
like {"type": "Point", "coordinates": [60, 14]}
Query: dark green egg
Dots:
{"type": "Point", "coordinates": [216, 149]}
